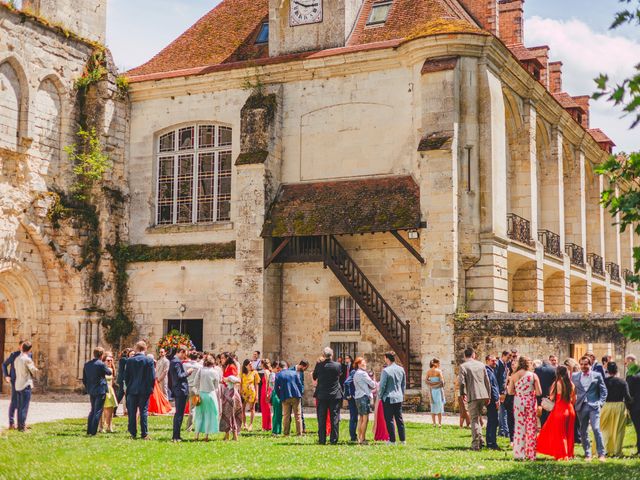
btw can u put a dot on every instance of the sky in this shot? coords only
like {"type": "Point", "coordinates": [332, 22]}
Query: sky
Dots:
{"type": "Point", "coordinates": [577, 31]}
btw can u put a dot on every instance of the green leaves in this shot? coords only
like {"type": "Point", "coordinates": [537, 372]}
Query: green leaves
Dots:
{"type": "Point", "coordinates": [89, 162]}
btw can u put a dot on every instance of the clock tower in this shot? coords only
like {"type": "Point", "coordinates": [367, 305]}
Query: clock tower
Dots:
{"type": "Point", "coordinates": [306, 25]}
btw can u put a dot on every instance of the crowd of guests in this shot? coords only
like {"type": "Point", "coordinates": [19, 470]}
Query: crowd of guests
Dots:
{"type": "Point", "coordinates": [221, 395]}
{"type": "Point", "coordinates": [544, 407]}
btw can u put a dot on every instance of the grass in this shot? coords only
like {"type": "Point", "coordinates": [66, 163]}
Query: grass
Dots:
{"type": "Point", "coordinates": [60, 450]}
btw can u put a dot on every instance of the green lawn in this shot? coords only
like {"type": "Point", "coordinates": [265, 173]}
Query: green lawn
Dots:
{"type": "Point", "coordinates": [60, 450]}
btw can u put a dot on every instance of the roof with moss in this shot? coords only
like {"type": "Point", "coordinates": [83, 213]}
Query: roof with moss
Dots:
{"type": "Point", "coordinates": [344, 207]}
{"type": "Point", "coordinates": [227, 34]}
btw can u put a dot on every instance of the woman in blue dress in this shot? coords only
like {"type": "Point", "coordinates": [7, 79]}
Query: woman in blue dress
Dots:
{"type": "Point", "coordinates": [435, 381]}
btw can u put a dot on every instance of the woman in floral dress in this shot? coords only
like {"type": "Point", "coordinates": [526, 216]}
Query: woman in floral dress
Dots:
{"type": "Point", "coordinates": [525, 386]}
{"type": "Point", "coordinates": [249, 385]}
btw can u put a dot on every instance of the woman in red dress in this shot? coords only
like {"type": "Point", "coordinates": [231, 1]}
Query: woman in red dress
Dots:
{"type": "Point", "coordinates": [158, 403]}
{"type": "Point", "coordinates": [265, 396]}
{"type": "Point", "coordinates": [556, 436]}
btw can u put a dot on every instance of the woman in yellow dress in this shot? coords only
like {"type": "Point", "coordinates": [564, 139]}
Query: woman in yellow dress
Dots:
{"type": "Point", "coordinates": [613, 417]}
{"type": "Point", "coordinates": [110, 402]}
{"type": "Point", "coordinates": [249, 384]}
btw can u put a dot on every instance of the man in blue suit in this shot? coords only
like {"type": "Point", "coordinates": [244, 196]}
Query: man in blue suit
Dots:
{"type": "Point", "coordinates": [179, 388]}
{"type": "Point", "coordinates": [288, 387]}
{"type": "Point", "coordinates": [93, 378]}
{"type": "Point", "coordinates": [494, 404]}
{"type": "Point", "coordinates": [591, 393]}
{"type": "Point", "coordinates": [139, 379]}
{"type": "Point", "coordinates": [547, 375]}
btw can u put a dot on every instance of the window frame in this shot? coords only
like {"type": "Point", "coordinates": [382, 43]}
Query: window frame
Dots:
{"type": "Point", "coordinates": [383, 3]}
{"type": "Point", "coordinates": [263, 26]}
{"type": "Point", "coordinates": [342, 349]}
{"type": "Point", "coordinates": [346, 315]}
{"type": "Point", "coordinates": [195, 151]}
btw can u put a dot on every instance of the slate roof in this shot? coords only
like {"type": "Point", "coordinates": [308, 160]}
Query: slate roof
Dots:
{"type": "Point", "coordinates": [226, 35]}
{"type": "Point", "coordinates": [343, 207]}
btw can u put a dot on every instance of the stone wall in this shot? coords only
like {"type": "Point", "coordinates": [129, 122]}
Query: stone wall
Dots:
{"type": "Point", "coordinates": [51, 294]}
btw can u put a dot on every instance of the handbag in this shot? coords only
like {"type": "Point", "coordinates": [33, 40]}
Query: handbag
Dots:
{"type": "Point", "coordinates": [196, 400]}
{"type": "Point", "coordinates": [548, 404]}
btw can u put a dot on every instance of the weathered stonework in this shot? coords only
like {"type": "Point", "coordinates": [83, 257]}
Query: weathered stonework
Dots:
{"type": "Point", "coordinates": [48, 291]}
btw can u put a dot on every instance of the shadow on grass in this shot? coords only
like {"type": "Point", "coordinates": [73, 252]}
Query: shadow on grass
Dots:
{"type": "Point", "coordinates": [524, 471]}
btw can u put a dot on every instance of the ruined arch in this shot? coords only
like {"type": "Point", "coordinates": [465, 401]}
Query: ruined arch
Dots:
{"type": "Point", "coordinates": [47, 128]}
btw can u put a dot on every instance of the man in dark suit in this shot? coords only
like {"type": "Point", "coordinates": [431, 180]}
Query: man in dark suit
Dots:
{"type": "Point", "coordinates": [329, 396]}
{"type": "Point", "coordinates": [139, 379]}
{"type": "Point", "coordinates": [591, 393]}
{"type": "Point", "coordinates": [501, 377]}
{"type": "Point", "coordinates": [179, 388]}
{"type": "Point", "coordinates": [9, 374]}
{"type": "Point", "coordinates": [634, 406]}
{"type": "Point", "coordinates": [547, 375]}
{"type": "Point", "coordinates": [93, 379]}
{"type": "Point", "coordinates": [493, 405]}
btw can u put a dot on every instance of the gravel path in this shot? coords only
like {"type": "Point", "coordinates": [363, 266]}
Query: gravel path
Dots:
{"type": "Point", "coordinates": [52, 408]}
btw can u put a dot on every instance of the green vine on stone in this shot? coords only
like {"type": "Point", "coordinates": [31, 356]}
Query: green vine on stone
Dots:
{"type": "Point", "coordinates": [123, 85]}
{"type": "Point", "coordinates": [94, 71]}
{"type": "Point", "coordinates": [90, 163]}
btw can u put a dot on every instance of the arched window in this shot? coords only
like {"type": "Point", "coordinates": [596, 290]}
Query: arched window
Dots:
{"type": "Point", "coordinates": [10, 111]}
{"type": "Point", "coordinates": [47, 128]}
{"type": "Point", "coordinates": [194, 175]}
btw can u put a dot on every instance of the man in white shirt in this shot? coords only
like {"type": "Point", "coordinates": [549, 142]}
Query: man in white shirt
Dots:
{"type": "Point", "coordinates": [25, 370]}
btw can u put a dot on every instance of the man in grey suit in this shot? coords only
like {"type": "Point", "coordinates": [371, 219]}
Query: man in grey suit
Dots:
{"type": "Point", "coordinates": [591, 393]}
{"type": "Point", "coordinates": [475, 390]}
{"type": "Point", "coordinates": [393, 383]}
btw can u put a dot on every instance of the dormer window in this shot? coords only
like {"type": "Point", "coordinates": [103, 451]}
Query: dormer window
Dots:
{"type": "Point", "coordinates": [263, 35]}
{"type": "Point", "coordinates": [379, 13]}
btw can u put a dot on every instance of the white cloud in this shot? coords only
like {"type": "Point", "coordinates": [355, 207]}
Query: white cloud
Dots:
{"type": "Point", "coordinates": [585, 54]}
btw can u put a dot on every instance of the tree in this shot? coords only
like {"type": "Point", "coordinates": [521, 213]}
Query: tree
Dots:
{"type": "Point", "coordinates": [622, 197]}
{"type": "Point", "coordinates": [626, 93]}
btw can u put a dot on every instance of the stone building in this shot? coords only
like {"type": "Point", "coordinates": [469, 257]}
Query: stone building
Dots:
{"type": "Point", "coordinates": [55, 284]}
{"type": "Point", "coordinates": [363, 174]}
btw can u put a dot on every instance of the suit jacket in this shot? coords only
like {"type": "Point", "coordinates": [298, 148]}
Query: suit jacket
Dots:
{"type": "Point", "coordinates": [501, 376]}
{"type": "Point", "coordinates": [474, 381]}
{"type": "Point", "coordinates": [178, 378]}
{"type": "Point", "coordinates": [93, 377]}
{"type": "Point", "coordinates": [122, 366]}
{"type": "Point", "coordinates": [634, 389]}
{"type": "Point", "coordinates": [288, 385]}
{"type": "Point", "coordinates": [547, 376]}
{"type": "Point", "coordinates": [9, 362]}
{"type": "Point", "coordinates": [162, 369]}
{"type": "Point", "coordinates": [140, 375]}
{"type": "Point", "coordinates": [327, 374]}
{"type": "Point", "coordinates": [495, 390]}
{"type": "Point", "coordinates": [594, 395]}
{"type": "Point", "coordinates": [393, 383]}
{"type": "Point", "coordinates": [598, 368]}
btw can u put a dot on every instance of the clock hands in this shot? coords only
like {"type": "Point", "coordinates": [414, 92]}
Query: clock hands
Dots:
{"type": "Point", "coordinates": [305, 5]}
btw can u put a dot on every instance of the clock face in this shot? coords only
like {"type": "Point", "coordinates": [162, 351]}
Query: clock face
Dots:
{"type": "Point", "coordinates": [304, 12]}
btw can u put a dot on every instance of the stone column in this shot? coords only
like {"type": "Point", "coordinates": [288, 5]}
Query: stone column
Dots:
{"type": "Point", "coordinates": [257, 180]}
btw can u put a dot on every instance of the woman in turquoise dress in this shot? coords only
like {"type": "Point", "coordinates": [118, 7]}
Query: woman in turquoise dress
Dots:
{"type": "Point", "coordinates": [436, 384]}
{"type": "Point", "coordinates": [207, 415]}
{"type": "Point", "coordinates": [276, 405]}
{"type": "Point", "coordinates": [110, 401]}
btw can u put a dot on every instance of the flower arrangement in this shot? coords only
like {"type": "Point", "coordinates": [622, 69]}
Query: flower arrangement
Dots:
{"type": "Point", "coordinates": [173, 340]}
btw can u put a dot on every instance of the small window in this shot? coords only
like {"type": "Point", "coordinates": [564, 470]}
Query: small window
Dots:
{"type": "Point", "coordinates": [344, 315]}
{"type": "Point", "coordinates": [342, 349]}
{"type": "Point", "coordinates": [379, 13]}
{"type": "Point", "coordinates": [263, 35]}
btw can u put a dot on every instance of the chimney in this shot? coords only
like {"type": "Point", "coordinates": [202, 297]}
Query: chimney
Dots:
{"type": "Point", "coordinates": [555, 77]}
{"type": "Point", "coordinates": [583, 102]}
{"type": "Point", "coordinates": [542, 54]}
{"type": "Point", "coordinates": [485, 12]}
{"type": "Point", "coordinates": [511, 17]}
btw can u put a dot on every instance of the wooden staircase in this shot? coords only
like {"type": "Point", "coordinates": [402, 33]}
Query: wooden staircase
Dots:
{"type": "Point", "coordinates": [394, 330]}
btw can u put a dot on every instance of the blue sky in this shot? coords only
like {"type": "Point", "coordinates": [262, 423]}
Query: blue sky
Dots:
{"type": "Point", "coordinates": [576, 30]}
